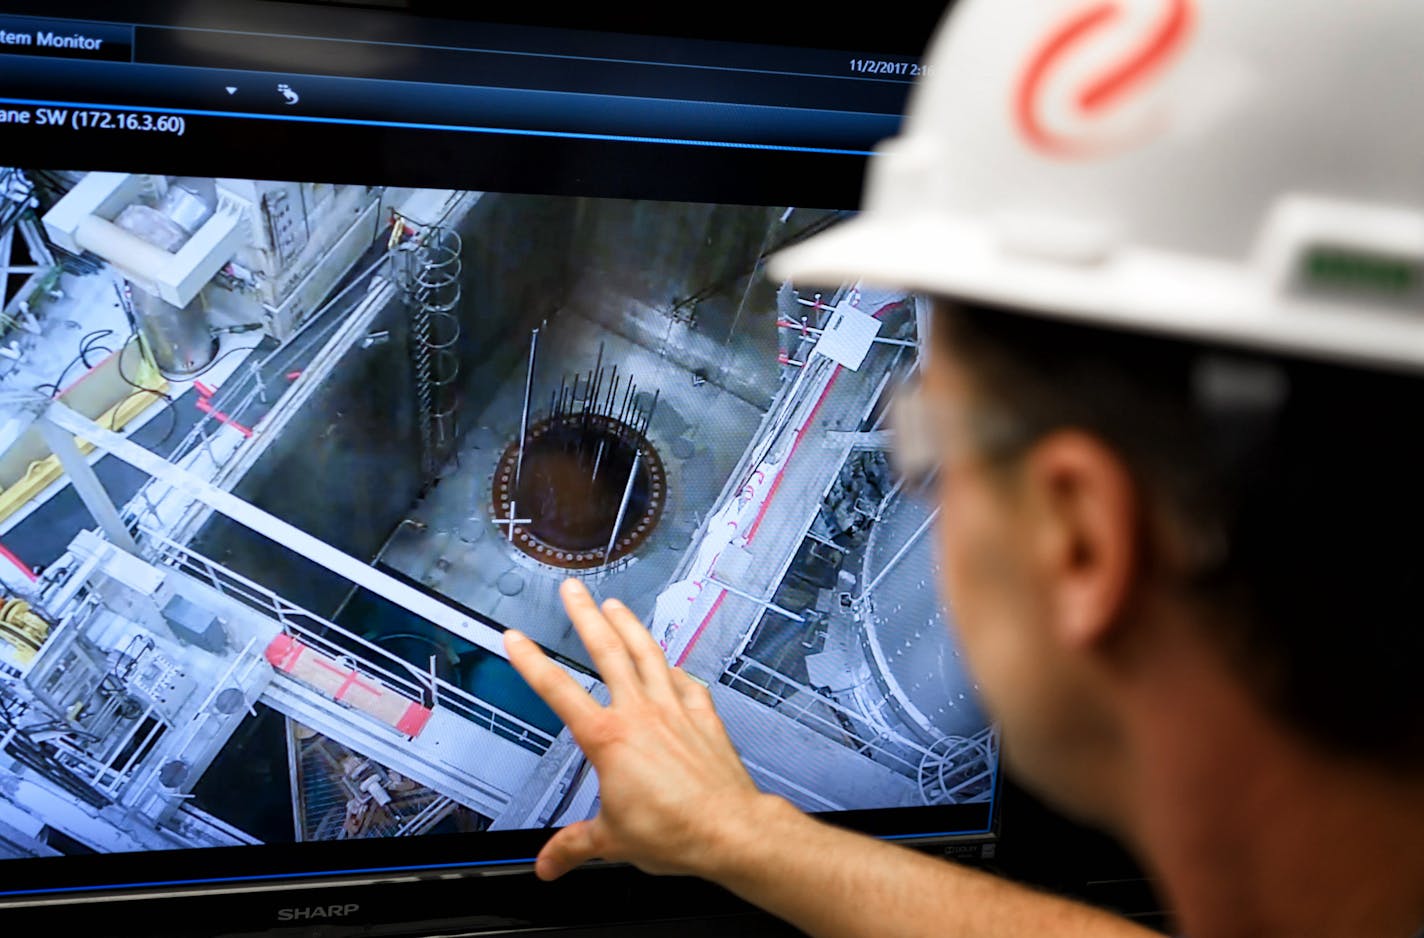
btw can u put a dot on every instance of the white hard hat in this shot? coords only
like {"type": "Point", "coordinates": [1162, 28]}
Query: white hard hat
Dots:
{"type": "Point", "coordinates": [1235, 171]}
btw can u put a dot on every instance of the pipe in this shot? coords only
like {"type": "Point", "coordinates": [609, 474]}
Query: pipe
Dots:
{"type": "Point", "coordinates": [623, 506]}
{"type": "Point", "coordinates": [524, 417]}
{"type": "Point", "coordinates": [764, 603]}
{"type": "Point", "coordinates": [909, 542]}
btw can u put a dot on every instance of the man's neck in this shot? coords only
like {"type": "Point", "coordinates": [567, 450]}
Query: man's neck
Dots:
{"type": "Point", "coordinates": [1253, 832]}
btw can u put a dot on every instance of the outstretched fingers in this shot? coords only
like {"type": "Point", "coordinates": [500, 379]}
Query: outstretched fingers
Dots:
{"type": "Point", "coordinates": [647, 656]}
{"type": "Point", "coordinates": [560, 691]}
{"type": "Point", "coordinates": [697, 703]}
{"type": "Point", "coordinates": [604, 643]}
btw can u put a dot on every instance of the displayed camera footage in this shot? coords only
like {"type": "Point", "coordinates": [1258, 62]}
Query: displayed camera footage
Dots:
{"type": "Point", "coordinates": [474, 395]}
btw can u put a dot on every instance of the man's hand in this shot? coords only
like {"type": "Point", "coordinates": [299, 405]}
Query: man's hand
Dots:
{"type": "Point", "coordinates": [671, 786]}
{"type": "Point", "coordinates": [676, 799]}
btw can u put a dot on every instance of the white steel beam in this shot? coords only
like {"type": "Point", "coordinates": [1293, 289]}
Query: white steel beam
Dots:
{"type": "Point", "coordinates": [86, 483]}
{"type": "Point", "coordinates": [270, 526]}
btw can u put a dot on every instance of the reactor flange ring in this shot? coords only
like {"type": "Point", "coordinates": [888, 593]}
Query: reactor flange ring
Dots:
{"type": "Point", "coordinates": [635, 529]}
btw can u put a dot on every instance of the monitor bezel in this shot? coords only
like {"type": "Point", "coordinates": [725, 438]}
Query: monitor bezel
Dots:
{"type": "Point", "coordinates": [607, 169]}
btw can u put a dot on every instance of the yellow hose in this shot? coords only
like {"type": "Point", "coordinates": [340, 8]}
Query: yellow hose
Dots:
{"type": "Point", "coordinates": [21, 629]}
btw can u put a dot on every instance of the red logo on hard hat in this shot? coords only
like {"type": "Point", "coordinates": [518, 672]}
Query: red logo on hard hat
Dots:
{"type": "Point", "coordinates": [1092, 95]}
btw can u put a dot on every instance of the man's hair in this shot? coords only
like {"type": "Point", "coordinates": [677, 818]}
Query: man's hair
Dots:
{"type": "Point", "coordinates": [1300, 484]}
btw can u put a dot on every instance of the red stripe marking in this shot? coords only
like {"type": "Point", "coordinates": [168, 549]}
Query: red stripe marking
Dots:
{"type": "Point", "coordinates": [762, 513]}
{"type": "Point", "coordinates": [280, 648]}
{"type": "Point", "coordinates": [776, 483]}
{"type": "Point", "coordinates": [413, 720]}
{"type": "Point", "coordinates": [698, 634]}
{"type": "Point", "coordinates": [353, 679]}
{"type": "Point", "coordinates": [800, 434]}
{"type": "Point", "coordinates": [19, 564]}
{"type": "Point", "coordinates": [321, 661]}
{"type": "Point", "coordinates": [206, 407]}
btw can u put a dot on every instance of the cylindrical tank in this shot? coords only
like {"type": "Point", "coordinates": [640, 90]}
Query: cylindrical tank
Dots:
{"type": "Point", "coordinates": [908, 636]}
{"type": "Point", "coordinates": [179, 340]}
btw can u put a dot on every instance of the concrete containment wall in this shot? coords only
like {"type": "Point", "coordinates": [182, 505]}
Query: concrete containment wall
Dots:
{"type": "Point", "coordinates": [347, 467]}
{"type": "Point", "coordinates": [518, 259]}
{"type": "Point", "coordinates": [345, 470]}
{"type": "Point", "coordinates": [671, 277]}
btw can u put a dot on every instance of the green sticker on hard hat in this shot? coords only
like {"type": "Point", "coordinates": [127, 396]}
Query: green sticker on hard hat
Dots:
{"type": "Point", "coordinates": [1351, 271]}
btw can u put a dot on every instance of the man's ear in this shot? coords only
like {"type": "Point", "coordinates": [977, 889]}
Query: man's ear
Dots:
{"type": "Point", "coordinates": [1084, 525]}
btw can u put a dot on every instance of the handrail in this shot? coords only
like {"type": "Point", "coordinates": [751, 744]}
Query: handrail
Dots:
{"type": "Point", "coordinates": [957, 763]}
{"type": "Point", "coordinates": [324, 634]}
{"type": "Point", "coordinates": [877, 745]}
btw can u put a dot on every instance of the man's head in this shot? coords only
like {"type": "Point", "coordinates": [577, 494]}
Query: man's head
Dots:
{"type": "Point", "coordinates": [1190, 169]}
{"type": "Point", "coordinates": [1115, 504]}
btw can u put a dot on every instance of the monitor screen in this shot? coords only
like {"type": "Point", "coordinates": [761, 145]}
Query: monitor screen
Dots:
{"type": "Point", "coordinates": [334, 340]}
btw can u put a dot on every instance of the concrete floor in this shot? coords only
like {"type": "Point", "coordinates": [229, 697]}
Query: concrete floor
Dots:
{"type": "Point", "coordinates": [700, 433]}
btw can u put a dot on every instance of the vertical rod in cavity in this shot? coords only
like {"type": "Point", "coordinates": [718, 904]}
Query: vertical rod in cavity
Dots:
{"type": "Point", "coordinates": [599, 458]}
{"type": "Point", "coordinates": [634, 411]}
{"type": "Point", "coordinates": [623, 506]}
{"type": "Point", "coordinates": [598, 370]}
{"type": "Point", "coordinates": [597, 382]}
{"type": "Point", "coordinates": [574, 412]}
{"type": "Point", "coordinates": [612, 393]}
{"type": "Point", "coordinates": [524, 417]}
{"type": "Point", "coordinates": [627, 401]}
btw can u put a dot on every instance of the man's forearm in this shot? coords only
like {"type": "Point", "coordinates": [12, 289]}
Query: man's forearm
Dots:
{"type": "Point", "coordinates": [835, 884]}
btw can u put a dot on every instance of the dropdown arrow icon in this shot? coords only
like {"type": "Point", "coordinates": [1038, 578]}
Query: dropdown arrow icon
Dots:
{"type": "Point", "coordinates": [232, 89]}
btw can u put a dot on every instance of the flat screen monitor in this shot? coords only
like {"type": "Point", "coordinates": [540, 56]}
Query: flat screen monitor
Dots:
{"type": "Point", "coordinates": [334, 339]}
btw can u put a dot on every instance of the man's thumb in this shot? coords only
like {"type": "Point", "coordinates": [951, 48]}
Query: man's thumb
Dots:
{"type": "Point", "coordinates": [567, 849]}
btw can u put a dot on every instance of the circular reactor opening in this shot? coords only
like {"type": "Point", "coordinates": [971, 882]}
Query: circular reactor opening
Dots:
{"type": "Point", "coordinates": [561, 506]}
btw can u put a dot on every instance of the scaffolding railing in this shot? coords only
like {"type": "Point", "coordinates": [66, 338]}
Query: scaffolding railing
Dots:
{"type": "Point", "coordinates": [801, 703]}
{"type": "Point", "coordinates": [955, 769]}
{"type": "Point", "coordinates": [364, 655]}
{"type": "Point", "coordinates": [432, 284]}
{"type": "Point", "coordinates": [428, 816]}
{"type": "Point", "coordinates": [960, 769]}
